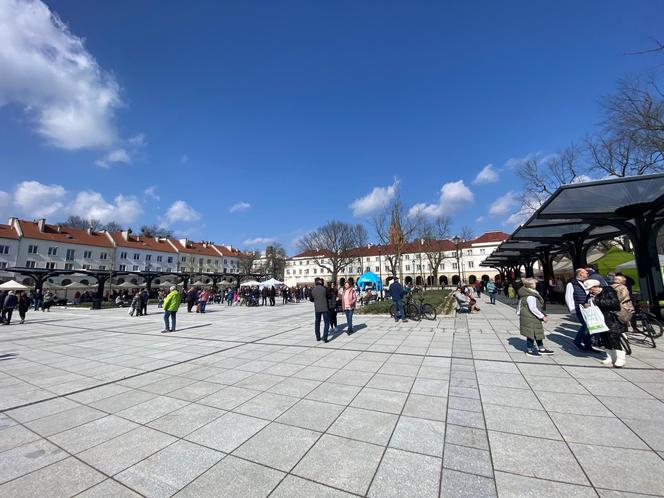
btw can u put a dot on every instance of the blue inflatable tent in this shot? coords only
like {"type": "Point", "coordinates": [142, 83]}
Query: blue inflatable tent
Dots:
{"type": "Point", "coordinates": [369, 279]}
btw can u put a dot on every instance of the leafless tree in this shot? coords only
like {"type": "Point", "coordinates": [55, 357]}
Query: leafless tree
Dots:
{"type": "Point", "coordinates": [247, 259]}
{"type": "Point", "coordinates": [543, 175]}
{"type": "Point", "coordinates": [433, 235]}
{"type": "Point", "coordinates": [331, 246]}
{"type": "Point", "coordinates": [156, 231]}
{"type": "Point", "coordinates": [467, 233]}
{"type": "Point", "coordinates": [112, 226]}
{"type": "Point", "coordinates": [394, 229]}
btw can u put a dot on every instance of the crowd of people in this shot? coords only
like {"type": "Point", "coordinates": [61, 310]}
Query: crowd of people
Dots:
{"type": "Point", "coordinates": [22, 301]}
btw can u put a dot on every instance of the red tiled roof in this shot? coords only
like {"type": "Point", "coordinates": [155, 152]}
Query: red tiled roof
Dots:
{"type": "Point", "coordinates": [145, 243]}
{"type": "Point", "coordinates": [68, 235]}
{"type": "Point", "coordinates": [225, 251]}
{"type": "Point", "coordinates": [491, 237]}
{"type": "Point", "coordinates": [8, 232]}
{"type": "Point", "coordinates": [200, 248]}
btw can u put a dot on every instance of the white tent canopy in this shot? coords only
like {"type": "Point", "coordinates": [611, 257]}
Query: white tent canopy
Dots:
{"type": "Point", "coordinates": [631, 265]}
{"type": "Point", "coordinates": [79, 285]}
{"type": "Point", "coordinates": [13, 285]}
{"type": "Point", "coordinates": [271, 282]}
{"type": "Point", "coordinates": [129, 285]}
{"type": "Point", "coordinates": [249, 283]}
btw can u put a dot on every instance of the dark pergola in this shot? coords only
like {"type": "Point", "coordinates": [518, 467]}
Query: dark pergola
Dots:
{"type": "Point", "coordinates": [41, 275]}
{"type": "Point", "coordinates": [578, 216]}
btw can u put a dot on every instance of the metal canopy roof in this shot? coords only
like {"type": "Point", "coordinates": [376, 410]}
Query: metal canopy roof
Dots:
{"type": "Point", "coordinates": [618, 198]}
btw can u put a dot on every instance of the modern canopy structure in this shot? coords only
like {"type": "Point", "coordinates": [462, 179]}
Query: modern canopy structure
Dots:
{"type": "Point", "coordinates": [577, 216]}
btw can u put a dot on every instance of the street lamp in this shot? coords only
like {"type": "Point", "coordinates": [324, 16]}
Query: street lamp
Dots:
{"type": "Point", "coordinates": [380, 270]}
{"type": "Point", "coordinates": [457, 240]}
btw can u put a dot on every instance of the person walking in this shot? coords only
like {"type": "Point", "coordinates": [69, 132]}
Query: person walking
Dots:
{"type": "Point", "coordinates": [532, 318]}
{"type": "Point", "coordinates": [575, 297]}
{"type": "Point", "coordinates": [264, 294]}
{"type": "Point", "coordinates": [321, 309]}
{"type": "Point", "coordinates": [332, 306]}
{"type": "Point", "coordinates": [48, 301]}
{"type": "Point", "coordinates": [191, 298]}
{"type": "Point", "coordinates": [8, 306]}
{"type": "Point", "coordinates": [273, 296]}
{"type": "Point", "coordinates": [348, 302]}
{"type": "Point", "coordinates": [606, 299]}
{"type": "Point", "coordinates": [171, 305]}
{"type": "Point", "coordinates": [38, 300]}
{"type": "Point", "coordinates": [203, 299]}
{"type": "Point", "coordinates": [23, 305]}
{"type": "Point", "coordinates": [492, 290]}
{"type": "Point", "coordinates": [145, 297]}
{"type": "Point", "coordinates": [135, 304]}
{"type": "Point", "coordinates": [396, 293]}
{"type": "Point", "coordinates": [230, 297]}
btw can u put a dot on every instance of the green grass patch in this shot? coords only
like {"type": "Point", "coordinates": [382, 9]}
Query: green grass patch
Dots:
{"type": "Point", "coordinates": [614, 257]}
{"type": "Point", "coordinates": [436, 298]}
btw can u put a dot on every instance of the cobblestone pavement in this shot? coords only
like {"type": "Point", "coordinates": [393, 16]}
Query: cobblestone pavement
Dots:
{"type": "Point", "coordinates": [244, 402]}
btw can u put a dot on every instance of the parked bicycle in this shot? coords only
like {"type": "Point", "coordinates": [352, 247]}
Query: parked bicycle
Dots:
{"type": "Point", "coordinates": [645, 323]}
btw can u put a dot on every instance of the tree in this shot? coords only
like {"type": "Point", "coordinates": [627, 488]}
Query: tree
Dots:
{"type": "Point", "coordinates": [156, 231]}
{"type": "Point", "coordinates": [112, 226]}
{"type": "Point", "coordinates": [394, 229]}
{"type": "Point", "coordinates": [543, 175]}
{"type": "Point", "coordinates": [433, 234]}
{"type": "Point", "coordinates": [331, 246]}
{"type": "Point", "coordinates": [467, 233]}
{"type": "Point", "coordinates": [247, 259]}
{"type": "Point", "coordinates": [275, 260]}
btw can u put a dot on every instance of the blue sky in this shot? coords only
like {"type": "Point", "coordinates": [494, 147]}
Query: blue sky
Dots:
{"type": "Point", "coordinates": [173, 113]}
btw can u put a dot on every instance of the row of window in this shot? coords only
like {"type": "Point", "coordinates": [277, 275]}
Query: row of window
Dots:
{"type": "Point", "coordinates": [469, 252]}
{"type": "Point", "coordinates": [470, 264]}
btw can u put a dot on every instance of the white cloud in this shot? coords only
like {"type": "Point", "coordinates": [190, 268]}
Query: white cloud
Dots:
{"type": "Point", "coordinates": [137, 140]}
{"type": "Point", "coordinates": [453, 197]}
{"type": "Point", "coordinates": [479, 219]}
{"type": "Point", "coordinates": [504, 204]}
{"type": "Point", "coordinates": [91, 205]}
{"type": "Point", "coordinates": [260, 241]}
{"type": "Point", "coordinates": [180, 211]}
{"type": "Point", "coordinates": [378, 198]}
{"type": "Point", "coordinates": [526, 210]}
{"type": "Point", "coordinates": [239, 206]}
{"type": "Point", "coordinates": [114, 156]}
{"type": "Point", "coordinates": [48, 70]}
{"type": "Point", "coordinates": [151, 193]}
{"type": "Point", "coordinates": [487, 175]}
{"type": "Point", "coordinates": [37, 200]}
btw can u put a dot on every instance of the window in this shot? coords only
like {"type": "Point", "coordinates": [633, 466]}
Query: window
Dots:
{"type": "Point", "coordinates": [70, 254]}
{"type": "Point", "coordinates": [135, 268]}
{"type": "Point", "coordinates": [103, 255]}
{"type": "Point", "coordinates": [4, 249]}
{"type": "Point", "coordinates": [123, 255]}
{"type": "Point", "coordinates": [378, 268]}
{"type": "Point", "coordinates": [407, 267]}
{"type": "Point", "coordinates": [407, 256]}
{"type": "Point", "coordinates": [184, 259]}
{"type": "Point", "coordinates": [287, 272]}
{"type": "Point", "coordinates": [158, 259]}
{"type": "Point", "coordinates": [306, 272]}
{"type": "Point", "coordinates": [122, 268]}
{"type": "Point", "coordinates": [200, 261]}
{"type": "Point", "coordinates": [209, 261]}
{"type": "Point", "coordinates": [168, 268]}
{"type": "Point", "coordinates": [69, 266]}
{"type": "Point", "coordinates": [359, 271]}
{"type": "Point", "coordinates": [30, 264]}
{"type": "Point", "coordinates": [3, 264]}
{"type": "Point", "coordinates": [137, 256]}
{"type": "Point", "coordinates": [316, 271]}
{"type": "Point", "coordinates": [482, 251]}
{"type": "Point", "coordinates": [102, 267]}
{"type": "Point", "coordinates": [32, 250]}
{"type": "Point", "coordinates": [454, 266]}
{"type": "Point", "coordinates": [419, 267]}
{"type": "Point", "coordinates": [471, 264]}
{"type": "Point", "coordinates": [170, 259]}
{"type": "Point", "coordinates": [87, 267]}
{"type": "Point", "coordinates": [50, 265]}
{"type": "Point", "coordinates": [52, 251]}
{"type": "Point", "coordinates": [148, 257]}
{"type": "Point", "coordinates": [469, 252]}
{"type": "Point", "coordinates": [87, 254]}
{"type": "Point", "coordinates": [225, 261]}
{"type": "Point", "coordinates": [442, 266]}
{"type": "Point", "coordinates": [300, 271]}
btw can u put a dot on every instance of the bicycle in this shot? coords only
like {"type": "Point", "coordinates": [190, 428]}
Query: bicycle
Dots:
{"type": "Point", "coordinates": [417, 309]}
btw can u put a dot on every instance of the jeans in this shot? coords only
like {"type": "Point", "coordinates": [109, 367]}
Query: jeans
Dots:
{"type": "Point", "coordinates": [492, 297]}
{"type": "Point", "coordinates": [582, 337]}
{"type": "Point", "coordinates": [203, 304]}
{"type": "Point", "coordinates": [326, 320]}
{"type": "Point", "coordinates": [172, 314]}
{"type": "Point", "coordinates": [530, 343]}
{"type": "Point", "coordinates": [399, 310]}
{"type": "Point", "coordinates": [349, 319]}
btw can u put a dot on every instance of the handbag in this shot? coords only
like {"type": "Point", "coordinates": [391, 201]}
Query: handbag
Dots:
{"type": "Point", "coordinates": [594, 319]}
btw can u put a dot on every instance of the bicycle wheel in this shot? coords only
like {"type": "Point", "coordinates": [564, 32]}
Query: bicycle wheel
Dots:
{"type": "Point", "coordinates": [649, 330]}
{"type": "Point", "coordinates": [656, 325]}
{"type": "Point", "coordinates": [428, 311]}
{"type": "Point", "coordinates": [412, 312]}
{"type": "Point", "coordinates": [624, 342]}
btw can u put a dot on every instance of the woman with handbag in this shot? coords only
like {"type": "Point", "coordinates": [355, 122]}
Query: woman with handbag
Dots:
{"type": "Point", "coordinates": [606, 299]}
{"type": "Point", "coordinates": [532, 318]}
{"type": "Point", "coordinates": [348, 301]}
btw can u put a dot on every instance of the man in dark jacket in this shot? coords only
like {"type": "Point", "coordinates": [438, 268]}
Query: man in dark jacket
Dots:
{"type": "Point", "coordinates": [575, 297]}
{"type": "Point", "coordinates": [396, 293]}
{"type": "Point", "coordinates": [319, 298]}
{"type": "Point", "coordinates": [8, 306]}
{"type": "Point", "coordinates": [191, 298]}
{"type": "Point", "coordinates": [145, 297]}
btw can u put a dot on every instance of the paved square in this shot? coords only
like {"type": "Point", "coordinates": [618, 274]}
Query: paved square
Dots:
{"type": "Point", "coordinates": [245, 402]}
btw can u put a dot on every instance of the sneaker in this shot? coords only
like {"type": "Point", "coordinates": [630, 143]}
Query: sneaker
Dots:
{"type": "Point", "coordinates": [533, 352]}
{"type": "Point", "coordinates": [545, 351]}
{"type": "Point", "coordinates": [404, 320]}
{"type": "Point", "coordinates": [165, 331]}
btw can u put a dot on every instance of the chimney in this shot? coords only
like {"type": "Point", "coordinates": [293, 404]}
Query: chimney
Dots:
{"type": "Point", "coordinates": [89, 230]}
{"type": "Point", "coordinates": [41, 224]}
{"type": "Point", "coordinates": [125, 235]}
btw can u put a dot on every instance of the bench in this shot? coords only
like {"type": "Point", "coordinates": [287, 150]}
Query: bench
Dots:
{"type": "Point", "coordinates": [463, 306]}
